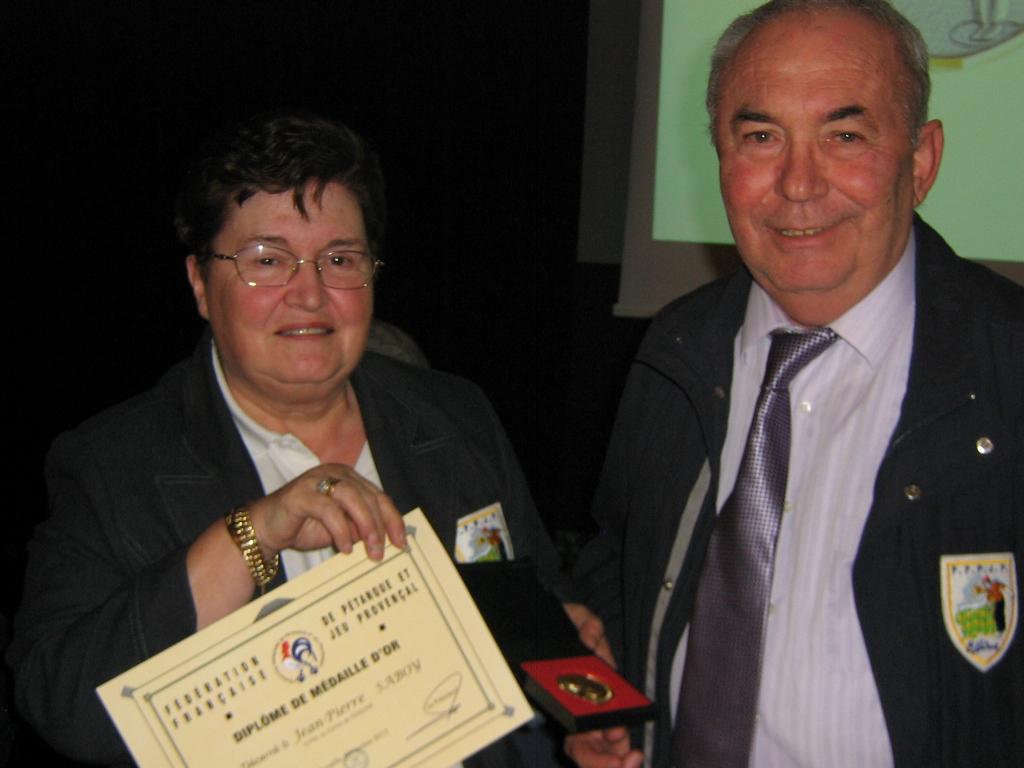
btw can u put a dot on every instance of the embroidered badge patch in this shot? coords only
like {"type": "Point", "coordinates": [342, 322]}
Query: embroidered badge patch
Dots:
{"type": "Point", "coordinates": [483, 535]}
{"type": "Point", "coordinates": [980, 604]}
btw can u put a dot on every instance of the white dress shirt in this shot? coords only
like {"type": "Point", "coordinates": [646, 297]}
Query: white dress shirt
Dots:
{"type": "Point", "coordinates": [279, 459]}
{"type": "Point", "coordinates": [818, 702]}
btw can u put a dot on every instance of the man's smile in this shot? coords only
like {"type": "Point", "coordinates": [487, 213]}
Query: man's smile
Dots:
{"type": "Point", "coordinates": [801, 232]}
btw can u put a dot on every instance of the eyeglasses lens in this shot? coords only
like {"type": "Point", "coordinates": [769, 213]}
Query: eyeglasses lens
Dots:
{"type": "Point", "coordinates": [267, 266]}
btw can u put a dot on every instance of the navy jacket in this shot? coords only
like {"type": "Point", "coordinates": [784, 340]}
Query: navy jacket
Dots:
{"type": "Point", "coordinates": [966, 382]}
{"type": "Point", "coordinates": [133, 487]}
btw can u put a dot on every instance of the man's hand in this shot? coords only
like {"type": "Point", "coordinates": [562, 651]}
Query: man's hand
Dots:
{"type": "Point", "coordinates": [598, 749]}
{"type": "Point", "coordinates": [591, 631]}
{"type": "Point", "coordinates": [603, 749]}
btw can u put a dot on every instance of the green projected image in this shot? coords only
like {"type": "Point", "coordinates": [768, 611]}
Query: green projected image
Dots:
{"type": "Point", "coordinates": [977, 91]}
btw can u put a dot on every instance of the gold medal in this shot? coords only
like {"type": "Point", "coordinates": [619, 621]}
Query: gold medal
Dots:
{"type": "Point", "coordinates": [589, 687]}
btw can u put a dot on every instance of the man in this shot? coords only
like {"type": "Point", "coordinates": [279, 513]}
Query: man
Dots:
{"type": "Point", "coordinates": [903, 477]}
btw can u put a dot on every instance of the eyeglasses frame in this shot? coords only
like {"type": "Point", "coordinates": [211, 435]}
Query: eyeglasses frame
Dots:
{"type": "Point", "coordinates": [375, 266]}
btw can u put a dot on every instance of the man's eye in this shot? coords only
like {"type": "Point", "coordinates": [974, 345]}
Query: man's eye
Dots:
{"type": "Point", "coordinates": [759, 137]}
{"type": "Point", "coordinates": [847, 138]}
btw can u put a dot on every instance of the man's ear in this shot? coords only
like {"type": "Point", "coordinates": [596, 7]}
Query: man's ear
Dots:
{"type": "Point", "coordinates": [195, 277]}
{"type": "Point", "coordinates": [927, 158]}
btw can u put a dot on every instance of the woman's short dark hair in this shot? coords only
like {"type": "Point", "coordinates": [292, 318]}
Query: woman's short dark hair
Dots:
{"type": "Point", "coordinates": [296, 151]}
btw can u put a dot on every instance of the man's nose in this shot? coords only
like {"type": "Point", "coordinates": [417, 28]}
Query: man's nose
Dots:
{"type": "Point", "coordinates": [802, 176]}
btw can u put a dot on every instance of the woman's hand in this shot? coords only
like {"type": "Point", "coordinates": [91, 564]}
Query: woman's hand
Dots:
{"type": "Point", "coordinates": [329, 504]}
{"type": "Point", "coordinates": [299, 515]}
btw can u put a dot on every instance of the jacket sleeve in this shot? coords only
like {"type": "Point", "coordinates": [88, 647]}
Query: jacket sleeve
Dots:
{"type": "Point", "coordinates": [598, 569]}
{"type": "Point", "coordinates": [100, 596]}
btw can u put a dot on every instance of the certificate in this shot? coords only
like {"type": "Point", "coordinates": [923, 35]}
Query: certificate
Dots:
{"type": "Point", "coordinates": [355, 664]}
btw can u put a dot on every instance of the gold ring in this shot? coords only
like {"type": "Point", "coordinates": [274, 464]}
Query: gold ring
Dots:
{"type": "Point", "coordinates": [326, 485]}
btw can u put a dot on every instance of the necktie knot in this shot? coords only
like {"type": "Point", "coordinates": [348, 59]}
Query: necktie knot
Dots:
{"type": "Point", "coordinates": [791, 351]}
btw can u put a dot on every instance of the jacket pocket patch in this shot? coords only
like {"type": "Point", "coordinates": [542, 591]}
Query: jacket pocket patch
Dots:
{"type": "Point", "coordinates": [483, 536]}
{"type": "Point", "coordinates": [980, 605]}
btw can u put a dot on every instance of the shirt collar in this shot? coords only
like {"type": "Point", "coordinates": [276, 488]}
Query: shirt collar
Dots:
{"type": "Point", "coordinates": [867, 326]}
{"type": "Point", "coordinates": [254, 434]}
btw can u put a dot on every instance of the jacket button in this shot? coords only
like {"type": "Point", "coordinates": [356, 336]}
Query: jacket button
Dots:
{"type": "Point", "coordinates": [912, 492]}
{"type": "Point", "coordinates": [720, 393]}
{"type": "Point", "coordinates": [985, 445]}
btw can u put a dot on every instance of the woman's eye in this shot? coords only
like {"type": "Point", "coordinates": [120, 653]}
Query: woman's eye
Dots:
{"type": "Point", "coordinates": [347, 260]}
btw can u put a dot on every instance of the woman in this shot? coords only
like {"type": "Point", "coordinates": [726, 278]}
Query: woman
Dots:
{"type": "Point", "coordinates": [278, 430]}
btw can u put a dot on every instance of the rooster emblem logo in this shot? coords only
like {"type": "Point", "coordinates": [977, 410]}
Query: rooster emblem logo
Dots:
{"type": "Point", "coordinates": [298, 655]}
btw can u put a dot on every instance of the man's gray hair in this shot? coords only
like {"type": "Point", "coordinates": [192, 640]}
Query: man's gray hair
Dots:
{"type": "Point", "coordinates": [912, 89]}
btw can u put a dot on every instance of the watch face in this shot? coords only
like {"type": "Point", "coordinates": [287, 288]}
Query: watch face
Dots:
{"type": "Point", "coordinates": [958, 28]}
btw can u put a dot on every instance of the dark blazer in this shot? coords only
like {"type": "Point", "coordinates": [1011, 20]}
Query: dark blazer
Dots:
{"type": "Point", "coordinates": [133, 487]}
{"type": "Point", "coordinates": [966, 382]}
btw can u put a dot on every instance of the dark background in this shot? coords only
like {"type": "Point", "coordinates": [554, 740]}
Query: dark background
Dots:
{"type": "Point", "coordinates": [476, 109]}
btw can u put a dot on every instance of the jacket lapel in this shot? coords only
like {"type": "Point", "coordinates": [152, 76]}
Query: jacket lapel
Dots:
{"type": "Point", "coordinates": [942, 367]}
{"type": "Point", "coordinates": [228, 477]}
{"type": "Point", "coordinates": [415, 462]}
